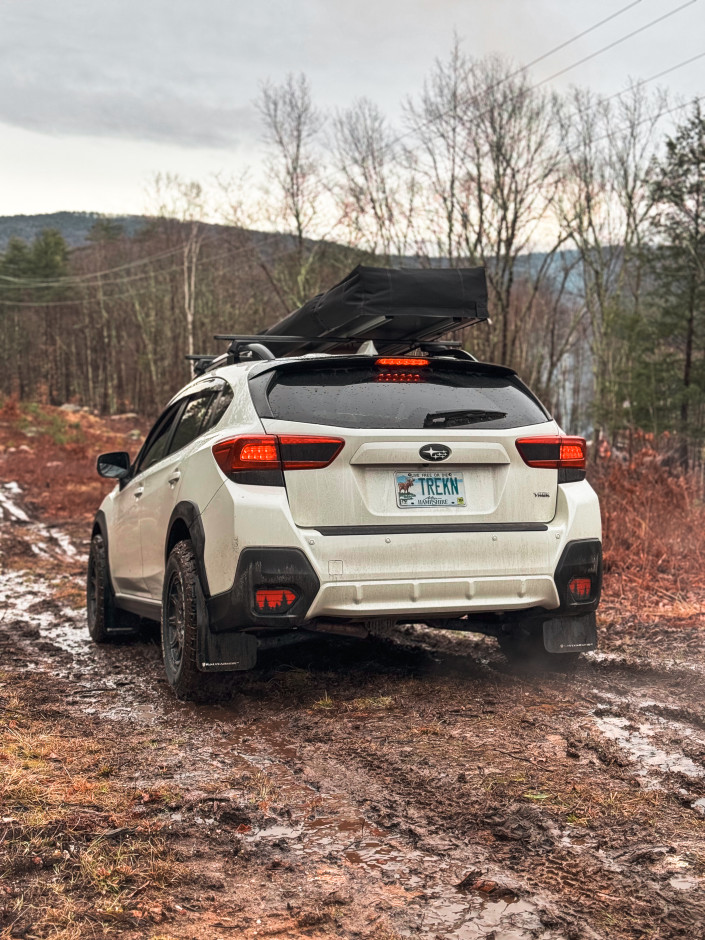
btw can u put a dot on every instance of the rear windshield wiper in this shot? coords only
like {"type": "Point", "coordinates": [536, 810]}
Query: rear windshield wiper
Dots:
{"type": "Point", "coordinates": [451, 419]}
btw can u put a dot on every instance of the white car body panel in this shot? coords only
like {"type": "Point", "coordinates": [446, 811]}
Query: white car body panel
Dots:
{"type": "Point", "coordinates": [358, 487]}
{"type": "Point", "coordinates": [363, 575]}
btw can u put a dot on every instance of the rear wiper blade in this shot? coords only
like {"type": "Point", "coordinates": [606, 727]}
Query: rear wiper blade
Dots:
{"type": "Point", "coordinates": [451, 419]}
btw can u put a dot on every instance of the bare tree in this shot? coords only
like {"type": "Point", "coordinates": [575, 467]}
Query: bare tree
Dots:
{"type": "Point", "coordinates": [184, 201]}
{"type": "Point", "coordinates": [604, 211]}
{"type": "Point", "coordinates": [292, 124]}
{"type": "Point", "coordinates": [438, 121]}
{"type": "Point", "coordinates": [377, 195]}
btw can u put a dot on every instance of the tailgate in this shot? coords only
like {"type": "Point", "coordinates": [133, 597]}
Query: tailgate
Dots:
{"type": "Point", "coordinates": [381, 478]}
{"type": "Point", "coordinates": [425, 441]}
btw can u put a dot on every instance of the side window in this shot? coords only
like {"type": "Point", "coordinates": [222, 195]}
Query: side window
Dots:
{"type": "Point", "coordinates": [218, 408]}
{"type": "Point", "coordinates": [156, 443]}
{"type": "Point", "coordinates": [191, 423]}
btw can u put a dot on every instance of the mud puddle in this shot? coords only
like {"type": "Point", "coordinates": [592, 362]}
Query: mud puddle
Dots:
{"type": "Point", "coordinates": [637, 743]}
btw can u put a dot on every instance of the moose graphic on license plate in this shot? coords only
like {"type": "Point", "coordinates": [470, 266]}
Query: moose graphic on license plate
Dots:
{"type": "Point", "coordinates": [418, 489]}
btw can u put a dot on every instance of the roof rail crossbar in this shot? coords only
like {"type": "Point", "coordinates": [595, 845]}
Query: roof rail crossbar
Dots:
{"type": "Point", "coordinates": [200, 362]}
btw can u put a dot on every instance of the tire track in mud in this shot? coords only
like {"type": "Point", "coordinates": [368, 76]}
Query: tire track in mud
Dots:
{"type": "Point", "coordinates": [401, 772]}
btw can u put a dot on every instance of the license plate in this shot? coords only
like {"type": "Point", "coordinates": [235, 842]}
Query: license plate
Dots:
{"type": "Point", "coordinates": [426, 489]}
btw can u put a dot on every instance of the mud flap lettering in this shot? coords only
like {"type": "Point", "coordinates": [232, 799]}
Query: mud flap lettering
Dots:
{"type": "Point", "coordinates": [227, 652]}
{"type": "Point", "coordinates": [222, 652]}
{"type": "Point", "coordinates": [570, 634]}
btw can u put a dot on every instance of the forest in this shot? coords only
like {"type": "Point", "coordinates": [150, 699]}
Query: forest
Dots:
{"type": "Point", "coordinates": [587, 212]}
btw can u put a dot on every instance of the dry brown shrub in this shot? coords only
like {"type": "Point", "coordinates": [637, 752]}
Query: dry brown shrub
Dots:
{"type": "Point", "coordinates": [653, 520]}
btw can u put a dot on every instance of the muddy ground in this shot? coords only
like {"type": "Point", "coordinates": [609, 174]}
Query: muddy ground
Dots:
{"type": "Point", "coordinates": [415, 788]}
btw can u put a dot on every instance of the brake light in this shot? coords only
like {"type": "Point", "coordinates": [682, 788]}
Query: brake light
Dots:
{"type": "Point", "coordinates": [408, 361]}
{"type": "Point", "coordinates": [259, 453]}
{"type": "Point", "coordinates": [399, 377]}
{"type": "Point", "coordinates": [247, 453]}
{"type": "Point", "coordinates": [274, 600]}
{"type": "Point", "coordinates": [276, 452]}
{"type": "Point", "coordinates": [553, 453]}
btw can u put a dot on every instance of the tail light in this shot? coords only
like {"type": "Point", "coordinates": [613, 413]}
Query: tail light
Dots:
{"type": "Point", "coordinates": [272, 452]}
{"type": "Point", "coordinates": [553, 453]}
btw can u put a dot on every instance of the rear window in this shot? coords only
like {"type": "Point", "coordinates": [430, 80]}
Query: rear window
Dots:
{"type": "Point", "coordinates": [441, 395]}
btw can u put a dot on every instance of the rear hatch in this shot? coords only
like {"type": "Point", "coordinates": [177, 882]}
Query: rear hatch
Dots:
{"type": "Point", "coordinates": [425, 442]}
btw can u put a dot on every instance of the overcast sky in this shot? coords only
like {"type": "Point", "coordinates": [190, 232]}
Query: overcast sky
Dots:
{"type": "Point", "coordinates": [96, 96]}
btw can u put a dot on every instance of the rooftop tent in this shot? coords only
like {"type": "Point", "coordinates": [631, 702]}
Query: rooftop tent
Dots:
{"type": "Point", "coordinates": [397, 309]}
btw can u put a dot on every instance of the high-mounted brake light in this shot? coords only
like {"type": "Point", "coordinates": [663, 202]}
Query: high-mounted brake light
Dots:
{"type": "Point", "coordinates": [276, 452]}
{"type": "Point", "coordinates": [399, 377]}
{"type": "Point", "coordinates": [553, 453]}
{"type": "Point", "coordinates": [409, 361]}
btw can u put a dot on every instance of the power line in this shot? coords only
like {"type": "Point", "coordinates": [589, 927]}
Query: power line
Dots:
{"type": "Point", "coordinates": [616, 42]}
{"type": "Point", "coordinates": [585, 32]}
{"type": "Point", "coordinates": [149, 259]}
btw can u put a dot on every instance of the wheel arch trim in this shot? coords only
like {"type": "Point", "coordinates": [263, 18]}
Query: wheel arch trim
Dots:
{"type": "Point", "coordinates": [187, 513]}
{"type": "Point", "coordinates": [100, 527]}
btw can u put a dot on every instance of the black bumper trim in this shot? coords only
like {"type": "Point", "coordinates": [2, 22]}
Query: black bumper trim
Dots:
{"type": "Point", "coordinates": [421, 528]}
{"type": "Point", "coordinates": [261, 568]}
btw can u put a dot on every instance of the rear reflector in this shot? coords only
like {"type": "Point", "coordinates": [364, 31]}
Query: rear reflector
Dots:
{"type": "Point", "coordinates": [580, 589]}
{"type": "Point", "coordinates": [408, 361]}
{"type": "Point", "coordinates": [274, 600]}
{"type": "Point", "coordinates": [276, 452]}
{"type": "Point", "coordinates": [553, 453]}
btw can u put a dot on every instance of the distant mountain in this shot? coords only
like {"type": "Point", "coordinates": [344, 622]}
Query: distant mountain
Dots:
{"type": "Point", "coordinates": [74, 226]}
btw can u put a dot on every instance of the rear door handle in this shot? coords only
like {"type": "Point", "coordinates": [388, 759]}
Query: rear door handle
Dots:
{"type": "Point", "coordinates": [175, 477]}
{"type": "Point", "coordinates": [138, 492]}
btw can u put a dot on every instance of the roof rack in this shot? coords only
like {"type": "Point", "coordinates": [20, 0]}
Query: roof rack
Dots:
{"type": "Point", "coordinates": [396, 310]}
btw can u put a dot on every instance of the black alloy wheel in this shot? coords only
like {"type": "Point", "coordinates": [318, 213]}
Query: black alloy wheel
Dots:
{"type": "Point", "coordinates": [180, 622]}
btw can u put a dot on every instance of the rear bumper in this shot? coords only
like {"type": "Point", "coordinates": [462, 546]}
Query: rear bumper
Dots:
{"type": "Point", "coordinates": [389, 574]}
{"type": "Point", "coordinates": [433, 596]}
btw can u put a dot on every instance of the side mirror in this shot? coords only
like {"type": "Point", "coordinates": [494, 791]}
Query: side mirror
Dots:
{"type": "Point", "coordinates": [115, 466]}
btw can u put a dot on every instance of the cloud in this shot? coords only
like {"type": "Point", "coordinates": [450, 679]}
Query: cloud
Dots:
{"type": "Point", "coordinates": [132, 70]}
{"type": "Point", "coordinates": [186, 72]}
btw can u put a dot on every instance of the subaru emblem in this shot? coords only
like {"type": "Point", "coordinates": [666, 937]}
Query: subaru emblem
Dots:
{"type": "Point", "coordinates": [435, 452]}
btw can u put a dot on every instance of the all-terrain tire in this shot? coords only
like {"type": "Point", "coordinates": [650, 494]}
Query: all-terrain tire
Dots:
{"type": "Point", "coordinates": [105, 621]}
{"type": "Point", "coordinates": [180, 627]}
{"type": "Point", "coordinates": [523, 647]}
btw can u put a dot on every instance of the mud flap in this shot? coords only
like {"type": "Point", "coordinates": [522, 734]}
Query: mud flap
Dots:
{"type": "Point", "coordinates": [222, 652]}
{"type": "Point", "coordinates": [570, 634]}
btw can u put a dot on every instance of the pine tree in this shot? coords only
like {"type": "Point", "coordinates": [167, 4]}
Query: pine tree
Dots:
{"type": "Point", "coordinates": [678, 183]}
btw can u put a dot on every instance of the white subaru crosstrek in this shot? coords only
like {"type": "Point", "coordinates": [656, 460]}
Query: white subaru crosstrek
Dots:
{"type": "Point", "coordinates": [323, 490]}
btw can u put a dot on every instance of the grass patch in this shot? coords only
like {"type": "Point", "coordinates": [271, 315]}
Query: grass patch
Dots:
{"type": "Point", "coordinates": [79, 847]}
{"type": "Point", "coordinates": [374, 703]}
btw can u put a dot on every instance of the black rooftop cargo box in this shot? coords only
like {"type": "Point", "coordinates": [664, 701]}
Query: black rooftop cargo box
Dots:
{"type": "Point", "coordinates": [396, 308]}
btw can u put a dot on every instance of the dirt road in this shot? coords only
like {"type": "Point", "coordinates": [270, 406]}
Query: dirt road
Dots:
{"type": "Point", "coordinates": [420, 788]}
